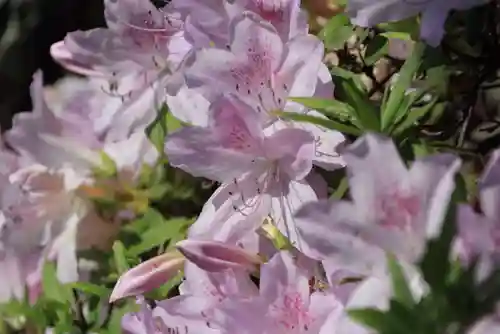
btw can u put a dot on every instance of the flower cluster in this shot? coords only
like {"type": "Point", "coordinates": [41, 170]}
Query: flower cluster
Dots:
{"type": "Point", "coordinates": [56, 159]}
{"type": "Point", "coordinates": [269, 252]}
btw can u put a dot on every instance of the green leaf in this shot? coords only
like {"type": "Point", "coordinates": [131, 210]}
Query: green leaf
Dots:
{"type": "Point", "coordinates": [392, 109]}
{"type": "Point", "coordinates": [330, 108]}
{"type": "Point", "coordinates": [422, 149]}
{"type": "Point", "coordinates": [90, 289]}
{"type": "Point", "coordinates": [365, 112]}
{"type": "Point", "coordinates": [327, 123]}
{"type": "Point", "coordinates": [404, 318]}
{"type": "Point", "coordinates": [402, 292]}
{"type": "Point", "coordinates": [435, 265]}
{"type": "Point", "coordinates": [408, 28]}
{"type": "Point", "coordinates": [397, 35]}
{"type": "Point", "coordinates": [171, 230]}
{"type": "Point", "coordinates": [158, 191]}
{"type": "Point", "coordinates": [376, 49]}
{"type": "Point", "coordinates": [158, 130]}
{"type": "Point", "coordinates": [107, 168]}
{"type": "Point", "coordinates": [173, 123]}
{"type": "Point", "coordinates": [164, 291]}
{"type": "Point", "coordinates": [336, 32]}
{"type": "Point", "coordinates": [56, 296]}
{"type": "Point", "coordinates": [373, 318]}
{"type": "Point", "coordinates": [338, 74]}
{"type": "Point", "coordinates": [341, 189]}
{"type": "Point", "coordinates": [414, 116]}
{"type": "Point", "coordinates": [460, 195]}
{"type": "Point", "coordinates": [119, 257]}
{"type": "Point", "coordinates": [436, 78]}
{"type": "Point", "coordinates": [115, 322]}
{"type": "Point", "coordinates": [269, 230]}
{"type": "Point", "coordinates": [52, 288]}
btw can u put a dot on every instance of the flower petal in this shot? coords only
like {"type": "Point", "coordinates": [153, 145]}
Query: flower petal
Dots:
{"type": "Point", "coordinates": [147, 276]}
{"type": "Point", "coordinates": [294, 149]}
{"type": "Point", "coordinates": [215, 256]}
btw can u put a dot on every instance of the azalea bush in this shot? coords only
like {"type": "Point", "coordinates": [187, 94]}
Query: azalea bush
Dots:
{"type": "Point", "coordinates": [217, 166]}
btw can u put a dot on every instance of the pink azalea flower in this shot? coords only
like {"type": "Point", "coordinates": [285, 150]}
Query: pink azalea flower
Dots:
{"type": "Point", "coordinates": [75, 136]}
{"type": "Point", "coordinates": [201, 294]}
{"type": "Point", "coordinates": [193, 310]}
{"type": "Point", "coordinates": [479, 234]}
{"type": "Point", "coordinates": [40, 221]}
{"type": "Point", "coordinates": [285, 304]}
{"type": "Point", "coordinates": [214, 256]}
{"type": "Point", "coordinates": [210, 256]}
{"type": "Point", "coordinates": [207, 23]}
{"type": "Point", "coordinates": [285, 15]}
{"type": "Point", "coordinates": [46, 217]}
{"type": "Point", "coordinates": [393, 209]}
{"type": "Point", "coordinates": [376, 292]}
{"type": "Point", "coordinates": [256, 66]}
{"type": "Point", "coordinates": [148, 275]}
{"type": "Point", "coordinates": [141, 322]}
{"type": "Point", "coordinates": [263, 71]}
{"type": "Point", "coordinates": [262, 175]}
{"type": "Point", "coordinates": [368, 13]}
{"type": "Point", "coordinates": [140, 38]}
{"type": "Point", "coordinates": [137, 54]}
{"type": "Point", "coordinates": [487, 325]}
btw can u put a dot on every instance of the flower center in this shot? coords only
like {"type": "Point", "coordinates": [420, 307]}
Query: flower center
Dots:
{"type": "Point", "coordinates": [152, 31]}
{"type": "Point", "coordinates": [291, 312]}
{"type": "Point", "coordinates": [495, 237]}
{"type": "Point", "coordinates": [397, 210]}
{"type": "Point", "coordinates": [271, 12]}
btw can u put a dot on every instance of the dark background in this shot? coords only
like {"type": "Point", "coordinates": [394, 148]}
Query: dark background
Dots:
{"type": "Point", "coordinates": [27, 30]}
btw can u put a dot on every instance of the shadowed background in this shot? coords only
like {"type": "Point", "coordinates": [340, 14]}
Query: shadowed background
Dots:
{"type": "Point", "coordinates": [27, 29]}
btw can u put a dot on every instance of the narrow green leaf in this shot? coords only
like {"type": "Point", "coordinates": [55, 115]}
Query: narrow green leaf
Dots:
{"type": "Point", "coordinates": [414, 116]}
{"type": "Point", "coordinates": [327, 123]}
{"type": "Point", "coordinates": [159, 233]}
{"type": "Point", "coordinates": [271, 232]}
{"type": "Point", "coordinates": [365, 112]}
{"type": "Point", "coordinates": [402, 292]}
{"type": "Point", "coordinates": [90, 289]}
{"type": "Point", "coordinates": [119, 257]}
{"type": "Point", "coordinates": [404, 318]}
{"type": "Point", "coordinates": [341, 189]}
{"type": "Point", "coordinates": [115, 322]}
{"type": "Point", "coordinates": [330, 108]}
{"type": "Point", "coordinates": [107, 167]}
{"type": "Point", "coordinates": [52, 288]}
{"type": "Point", "coordinates": [373, 318]}
{"type": "Point", "coordinates": [397, 35]}
{"type": "Point", "coordinates": [409, 27]}
{"type": "Point", "coordinates": [158, 191]}
{"type": "Point", "coordinates": [336, 32]}
{"type": "Point", "coordinates": [435, 265]}
{"type": "Point", "coordinates": [399, 89]}
{"type": "Point", "coordinates": [60, 297]}
{"type": "Point", "coordinates": [163, 291]}
{"type": "Point", "coordinates": [141, 224]}
{"type": "Point", "coordinates": [173, 123]}
{"type": "Point", "coordinates": [157, 131]}
{"type": "Point", "coordinates": [376, 49]}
